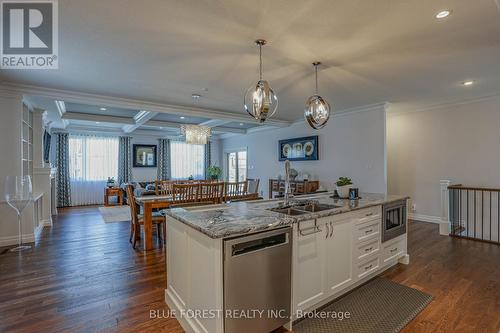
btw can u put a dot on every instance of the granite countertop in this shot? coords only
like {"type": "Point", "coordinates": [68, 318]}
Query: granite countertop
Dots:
{"type": "Point", "coordinates": [239, 218]}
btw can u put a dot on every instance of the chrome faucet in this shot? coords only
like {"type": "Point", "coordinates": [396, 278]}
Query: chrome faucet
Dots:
{"type": "Point", "coordinates": [288, 189]}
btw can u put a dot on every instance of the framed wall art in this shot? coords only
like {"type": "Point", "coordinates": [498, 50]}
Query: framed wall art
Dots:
{"type": "Point", "coordinates": [144, 156]}
{"type": "Point", "coordinates": [299, 149]}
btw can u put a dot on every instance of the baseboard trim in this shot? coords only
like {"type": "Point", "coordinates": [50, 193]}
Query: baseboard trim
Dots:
{"type": "Point", "coordinates": [425, 218]}
{"type": "Point", "coordinates": [12, 240]}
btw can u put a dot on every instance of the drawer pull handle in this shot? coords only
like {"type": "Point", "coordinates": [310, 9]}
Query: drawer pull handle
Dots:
{"type": "Point", "coordinates": [369, 249]}
{"type": "Point", "coordinates": [394, 249]}
{"type": "Point", "coordinates": [368, 214]}
{"type": "Point", "coordinates": [368, 231]}
{"type": "Point", "coordinates": [309, 231]}
{"type": "Point", "coordinates": [368, 267]}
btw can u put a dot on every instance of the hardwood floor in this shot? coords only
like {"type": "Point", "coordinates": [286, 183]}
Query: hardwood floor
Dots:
{"type": "Point", "coordinates": [84, 276]}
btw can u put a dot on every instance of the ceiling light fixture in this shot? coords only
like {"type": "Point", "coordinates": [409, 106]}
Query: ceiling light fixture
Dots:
{"type": "Point", "coordinates": [317, 110]}
{"type": "Point", "coordinates": [468, 83]}
{"type": "Point", "coordinates": [443, 14]}
{"type": "Point", "coordinates": [260, 101]}
{"type": "Point", "coordinates": [102, 109]}
{"type": "Point", "coordinates": [241, 124]}
{"type": "Point", "coordinates": [97, 122]}
{"type": "Point", "coordinates": [196, 96]}
{"type": "Point", "coordinates": [196, 134]}
{"type": "Point", "coordinates": [182, 117]}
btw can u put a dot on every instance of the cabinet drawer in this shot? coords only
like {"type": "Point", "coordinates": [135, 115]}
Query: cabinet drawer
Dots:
{"type": "Point", "coordinates": [369, 214]}
{"type": "Point", "coordinates": [367, 267]}
{"type": "Point", "coordinates": [368, 230]}
{"type": "Point", "coordinates": [393, 250]}
{"type": "Point", "coordinates": [366, 249]}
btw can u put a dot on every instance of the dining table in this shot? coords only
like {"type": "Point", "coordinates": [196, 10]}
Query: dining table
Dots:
{"type": "Point", "coordinates": [149, 203]}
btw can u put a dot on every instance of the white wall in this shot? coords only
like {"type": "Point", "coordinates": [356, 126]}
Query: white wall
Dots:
{"type": "Point", "coordinates": [144, 174]}
{"type": "Point", "coordinates": [352, 144]}
{"type": "Point", "coordinates": [460, 143]}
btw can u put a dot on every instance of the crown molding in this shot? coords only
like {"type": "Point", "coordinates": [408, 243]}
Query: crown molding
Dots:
{"type": "Point", "coordinates": [9, 92]}
{"type": "Point", "coordinates": [127, 103]}
{"type": "Point", "coordinates": [445, 105]}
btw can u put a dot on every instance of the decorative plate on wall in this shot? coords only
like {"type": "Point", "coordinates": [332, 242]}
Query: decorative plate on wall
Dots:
{"type": "Point", "coordinates": [299, 149]}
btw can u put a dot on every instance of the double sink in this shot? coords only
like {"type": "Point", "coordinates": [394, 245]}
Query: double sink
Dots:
{"type": "Point", "coordinates": [301, 209]}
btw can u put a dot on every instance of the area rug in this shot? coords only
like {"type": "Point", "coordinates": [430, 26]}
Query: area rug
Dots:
{"type": "Point", "coordinates": [378, 306]}
{"type": "Point", "coordinates": [115, 214]}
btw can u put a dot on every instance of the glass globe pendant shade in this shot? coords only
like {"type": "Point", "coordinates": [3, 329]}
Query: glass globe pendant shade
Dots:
{"type": "Point", "coordinates": [260, 101]}
{"type": "Point", "coordinates": [317, 111]}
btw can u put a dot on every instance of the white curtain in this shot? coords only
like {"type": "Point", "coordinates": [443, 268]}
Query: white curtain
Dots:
{"type": "Point", "coordinates": [187, 160]}
{"type": "Point", "coordinates": [92, 159]}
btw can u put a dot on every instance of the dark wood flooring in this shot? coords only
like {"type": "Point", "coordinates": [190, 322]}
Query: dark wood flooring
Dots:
{"type": "Point", "coordinates": [83, 276]}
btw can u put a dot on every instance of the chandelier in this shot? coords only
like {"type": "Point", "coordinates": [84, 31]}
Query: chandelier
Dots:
{"type": "Point", "coordinates": [196, 134]}
{"type": "Point", "coordinates": [260, 101]}
{"type": "Point", "coordinates": [317, 110]}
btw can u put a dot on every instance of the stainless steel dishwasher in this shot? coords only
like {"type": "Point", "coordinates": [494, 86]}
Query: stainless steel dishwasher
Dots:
{"type": "Point", "coordinates": [257, 281]}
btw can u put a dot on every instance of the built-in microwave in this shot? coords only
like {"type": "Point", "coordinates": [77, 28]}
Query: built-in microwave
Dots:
{"type": "Point", "coordinates": [393, 220]}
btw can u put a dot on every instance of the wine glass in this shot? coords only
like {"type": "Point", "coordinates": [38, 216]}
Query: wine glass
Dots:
{"type": "Point", "coordinates": [18, 194]}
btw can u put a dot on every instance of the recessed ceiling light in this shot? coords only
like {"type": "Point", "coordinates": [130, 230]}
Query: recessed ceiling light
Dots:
{"type": "Point", "coordinates": [241, 124]}
{"type": "Point", "coordinates": [102, 109]}
{"type": "Point", "coordinates": [468, 83]}
{"type": "Point", "coordinates": [443, 14]}
{"type": "Point", "coordinates": [97, 122]}
{"type": "Point", "coordinates": [196, 96]}
{"type": "Point", "coordinates": [182, 117]}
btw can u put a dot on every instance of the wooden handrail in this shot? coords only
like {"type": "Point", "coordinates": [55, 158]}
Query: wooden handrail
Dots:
{"type": "Point", "coordinates": [472, 188]}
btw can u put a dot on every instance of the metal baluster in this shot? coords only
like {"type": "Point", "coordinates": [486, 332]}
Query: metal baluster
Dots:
{"type": "Point", "coordinates": [482, 215]}
{"type": "Point", "coordinates": [467, 213]}
{"type": "Point", "coordinates": [475, 213]}
{"type": "Point", "coordinates": [491, 238]}
{"type": "Point", "coordinates": [460, 211]}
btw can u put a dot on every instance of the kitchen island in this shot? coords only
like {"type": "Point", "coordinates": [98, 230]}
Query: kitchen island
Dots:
{"type": "Point", "coordinates": [323, 247]}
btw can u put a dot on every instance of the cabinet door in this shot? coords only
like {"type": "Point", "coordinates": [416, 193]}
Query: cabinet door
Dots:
{"type": "Point", "coordinates": [339, 259]}
{"type": "Point", "coordinates": [309, 265]}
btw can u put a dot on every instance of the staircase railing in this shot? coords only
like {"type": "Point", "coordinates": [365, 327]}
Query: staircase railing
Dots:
{"type": "Point", "coordinates": [475, 213]}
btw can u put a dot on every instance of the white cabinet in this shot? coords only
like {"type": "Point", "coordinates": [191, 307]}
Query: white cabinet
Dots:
{"type": "Point", "coordinates": [334, 254]}
{"type": "Point", "coordinates": [308, 264]}
{"type": "Point", "coordinates": [339, 255]}
{"type": "Point", "coordinates": [322, 262]}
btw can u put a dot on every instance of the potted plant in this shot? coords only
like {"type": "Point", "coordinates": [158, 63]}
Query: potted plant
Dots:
{"type": "Point", "coordinates": [111, 182]}
{"type": "Point", "coordinates": [214, 172]}
{"type": "Point", "coordinates": [343, 186]}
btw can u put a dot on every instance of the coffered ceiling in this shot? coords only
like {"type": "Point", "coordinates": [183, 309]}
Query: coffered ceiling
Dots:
{"type": "Point", "coordinates": [372, 51]}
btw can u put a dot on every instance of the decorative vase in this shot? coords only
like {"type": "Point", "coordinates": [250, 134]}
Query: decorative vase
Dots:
{"type": "Point", "coordinates": [343, 191]}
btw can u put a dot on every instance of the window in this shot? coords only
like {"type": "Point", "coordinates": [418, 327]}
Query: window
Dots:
{"type": "Point", "coordinates": [187, 160]}
{"type": "Point", "coordinates": [236, 164]}
{"type": "Point", "coordinates": [92, 158]}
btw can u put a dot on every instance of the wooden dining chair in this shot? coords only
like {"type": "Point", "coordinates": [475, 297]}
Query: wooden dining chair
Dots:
{"type": "Point", "coordinates": [164, 187]}
{"type": "Point", "coordinates": [235, 190]}
{"type": "Point", "coordinates": [211, 192]}
{"type": "Point", "coordinates": [185, 193]}
{"type": "Point", "coordinates": [137, 219]}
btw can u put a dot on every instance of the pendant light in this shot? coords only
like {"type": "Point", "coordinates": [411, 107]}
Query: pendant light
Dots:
{"type": "Point", "coordinates": [260, 100]}
{"type": "Point", "coordinates": [317, 110]}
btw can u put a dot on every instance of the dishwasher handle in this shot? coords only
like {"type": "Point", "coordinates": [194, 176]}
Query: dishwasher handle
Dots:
{"type": "Point", "coordinates": [251, 246]}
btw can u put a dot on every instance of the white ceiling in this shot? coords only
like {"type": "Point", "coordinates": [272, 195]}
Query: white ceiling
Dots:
{"type": "Point", "coordinates": [372, 51]}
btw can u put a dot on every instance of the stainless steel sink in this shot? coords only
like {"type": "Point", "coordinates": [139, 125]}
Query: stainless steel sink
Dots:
{"type": "Point", "coordinates": [288, 211]}
{"type": "Point", "coordinates": [317, 207]}
{"type": "Point", "coordinates": [304, 209]}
